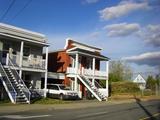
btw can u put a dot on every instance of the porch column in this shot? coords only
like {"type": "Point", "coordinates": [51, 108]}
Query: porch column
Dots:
{"type": "Point", "coordinates": [73, 62]}
{"type": "Point", "coordinates": [93, 68]}
{"type": "Point", "coordinates": [46, 73]}
{"type": "Point", "coordinates": [76, 72]}
{"type": "Point", "coordinates": [21, 59]}
{"type": "Point", "coordinates": [107, 73]}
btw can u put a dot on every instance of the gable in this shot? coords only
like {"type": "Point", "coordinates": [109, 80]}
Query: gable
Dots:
{"type": "Point", "coordinates": [74, 44]}
{"type": "Point", "coordinates": [139, 79]}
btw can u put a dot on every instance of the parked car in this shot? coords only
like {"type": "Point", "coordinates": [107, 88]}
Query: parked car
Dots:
{"type": "Point", "coordinates": [61, 91]}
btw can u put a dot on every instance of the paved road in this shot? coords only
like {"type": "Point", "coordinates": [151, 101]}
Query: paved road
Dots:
{"type": "Point", "coordinates": [149, 110]}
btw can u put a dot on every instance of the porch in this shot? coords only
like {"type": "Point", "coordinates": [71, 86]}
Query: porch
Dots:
{"type": "Point", "coordinates": [86, 68]}
{"type": "Point", "coordinates": [27, 62]}
{"type": "Point", "coordinates": [97, 74]}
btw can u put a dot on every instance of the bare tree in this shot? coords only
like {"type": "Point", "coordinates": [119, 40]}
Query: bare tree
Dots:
{"type": "Point", "coordinates": [120, 71]}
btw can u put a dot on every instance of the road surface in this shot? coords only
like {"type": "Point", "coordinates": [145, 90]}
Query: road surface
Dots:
{"type": "Point", "coordinates": [149, 110]}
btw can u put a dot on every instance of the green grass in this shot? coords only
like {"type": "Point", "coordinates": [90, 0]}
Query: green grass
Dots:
{"type": "Point", "coordinates": [50, 101]}
{"type": "Point", "coordinates": [5, 102]}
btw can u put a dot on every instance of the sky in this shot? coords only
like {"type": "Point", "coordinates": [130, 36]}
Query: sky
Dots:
{"type": "Point", "coordinates": [125, 29]}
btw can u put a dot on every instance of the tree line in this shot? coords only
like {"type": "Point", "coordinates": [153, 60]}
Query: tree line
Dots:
{"type": "Point", "coordinates": [121, 71]}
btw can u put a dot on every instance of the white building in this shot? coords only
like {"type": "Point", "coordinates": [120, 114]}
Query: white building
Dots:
{"type": "Point", "coordinates": [21, 62]}
{"type": "Point", "coordinates": [140, 81]}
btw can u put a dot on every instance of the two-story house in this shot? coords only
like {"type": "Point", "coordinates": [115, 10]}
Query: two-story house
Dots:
{"type": "Point", "coordinates": [78, 66]}
{"type": "Point", "coordinates": [21, 62]}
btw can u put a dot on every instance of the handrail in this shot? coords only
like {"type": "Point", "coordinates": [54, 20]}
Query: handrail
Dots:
{"type": "Point", "coordinates": [19, 80]}
{"type": "Point", "coordinates": [93, 89]}
{"type": "Point", "coordinates": [97, 84]}
{"type": "Point", "coordinates": [15, 93]}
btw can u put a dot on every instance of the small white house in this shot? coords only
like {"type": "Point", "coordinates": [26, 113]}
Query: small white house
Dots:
{"type": "Point", "coordinates": [140, 81]}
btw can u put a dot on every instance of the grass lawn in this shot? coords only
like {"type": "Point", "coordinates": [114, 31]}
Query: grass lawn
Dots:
{"type": "Point", "coordinates": [38, 101]}
{"type": "Point", "coordinates": [50, 101]}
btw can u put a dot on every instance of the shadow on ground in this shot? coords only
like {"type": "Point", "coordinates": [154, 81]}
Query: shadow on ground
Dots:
{"type": "Point", "coordinates": [150, 116]}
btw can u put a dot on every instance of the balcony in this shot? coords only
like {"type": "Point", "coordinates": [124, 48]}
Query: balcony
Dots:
{"type": "Point", "coordinates": [28, 62]}
{"type": "Point", "coordinates": [87, 72]}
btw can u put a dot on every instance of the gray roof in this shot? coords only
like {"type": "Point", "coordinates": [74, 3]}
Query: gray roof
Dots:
{"type": "Point", "coordinates": [10, 30]}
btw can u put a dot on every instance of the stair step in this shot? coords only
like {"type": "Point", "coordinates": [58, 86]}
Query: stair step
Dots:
{"type": "Point", "coordinates": [20, 98]}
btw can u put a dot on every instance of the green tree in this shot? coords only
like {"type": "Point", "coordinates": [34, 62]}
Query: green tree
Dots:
{"type": "Point", "coordinates": [157, 80]}
{"type": "Point", "coordinates": [119, 71]}
{"type": "Point", "coordinates": [151, 82]}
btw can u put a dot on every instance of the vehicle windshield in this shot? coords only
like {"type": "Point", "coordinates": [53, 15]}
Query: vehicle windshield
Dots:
{"type": "Point", "coordinates": [63, 87]}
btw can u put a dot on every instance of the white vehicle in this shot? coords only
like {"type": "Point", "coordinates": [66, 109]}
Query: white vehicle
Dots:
{"type": "Point", "coordinates": [60, 91]}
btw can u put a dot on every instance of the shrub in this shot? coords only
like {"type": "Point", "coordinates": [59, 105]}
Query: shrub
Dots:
{"type": "Point", "coordinates": [124, 87]}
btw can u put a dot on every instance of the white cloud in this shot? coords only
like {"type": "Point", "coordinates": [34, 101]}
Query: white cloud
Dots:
{"type": "Point", "coordinates": [91, 1]}
{"type": "Point", "coordinates": [122, 29]}
{"type": "Point", "coordinates": [94, 35]}
{"type": "Point", "coordinates": [123, 8]}
{"type": "Point", "coordinates": [149, 58]}
{"type": "Point", "coordinates": [151, 35]}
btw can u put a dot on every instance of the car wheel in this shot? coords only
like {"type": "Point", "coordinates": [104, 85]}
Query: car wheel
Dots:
{"type": "Point", "coordinates": [61, 97]}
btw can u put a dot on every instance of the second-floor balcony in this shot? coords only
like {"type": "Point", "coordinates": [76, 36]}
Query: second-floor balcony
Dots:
{"type": "Point", "coordinates": [87, 72]}
{"type": "Point", "coordinates": [27, 61]}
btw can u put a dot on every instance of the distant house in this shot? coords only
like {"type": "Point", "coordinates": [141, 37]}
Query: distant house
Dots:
{"type": "Point", "coordinates": [78, 66]}
{"type": "Point", "coordinates": [140, 81]}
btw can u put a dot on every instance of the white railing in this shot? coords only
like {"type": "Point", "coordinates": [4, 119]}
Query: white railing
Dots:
{"type": "Point", "coordinates": [86, 72]}
{"type": "Point", "coordinates": [100, 73]}
{"type": "Point", "coordinates": [104, 92]}
{"type": "Point", "coordinates": [29, 62]}
{"type": "Point", "coordinates": [32, 62]}
{"type": "Point", "coordinates": [8, 85]}
{"type": "Point", "coordinates": [96, 73]}
{"type": "Point", "coordinates": [21, 83]}
{"type": "Point", "coordinates": [71, 70]}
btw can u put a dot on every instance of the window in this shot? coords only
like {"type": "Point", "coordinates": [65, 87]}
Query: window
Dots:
{"type": "Point", "coordinates": [26, 51]}
{"type": "Point", "coordinates": [53, 87]}
{"type": "Point", "coordinates": [63, 87]}
{"type": "Point", "coordinates": [89, 63]}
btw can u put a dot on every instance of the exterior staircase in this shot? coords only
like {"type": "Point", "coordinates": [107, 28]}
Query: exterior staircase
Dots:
{"type": "Point", "coordinates": [14, 85]}
{"type": "Point", "coordinates": [92, 88]}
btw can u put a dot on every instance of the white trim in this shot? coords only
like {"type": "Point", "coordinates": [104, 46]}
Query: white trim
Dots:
{"type": "Point", "coordinates": [107, 72]}
{"type": "Point", "coordinates": [55, 75]}
{"type": "Point", "coordinates": [93, 68]}
{"type": "Point", "coordinates": [82, 45]}
{"type": "Point", "coordinates": [25, 39]}
{"type": "Point", "coordinates": [21, 30]}
{"type": "Point", "coordinates": [28, 69]}
{"type": "Point", "coordinates": [71, 49]}
{"type": "Point", "coordinates": [86, 47]}
{"type": "Point", "coordinates": [82, 53]}
{"type": "Point", "coordinates": [76, 72]}
{"type": "Point", "coordinates": [65, 47]}
{"type": "Point", "coordinates": [21, 58]}
{"type": "Point", "coordinates": [46, 73]}
{"type": "Point", "coordinates": [139, 79]}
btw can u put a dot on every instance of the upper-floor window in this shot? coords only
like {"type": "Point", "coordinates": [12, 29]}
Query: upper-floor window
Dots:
{"type": "Point", "coordinates": [89, 63]}
{"type": "Point", "coordinates": [26, 51]}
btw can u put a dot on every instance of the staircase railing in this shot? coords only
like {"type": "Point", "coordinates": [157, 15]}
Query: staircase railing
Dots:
{"type": "Point", "coordinates": [21, 83]}
{"type": "Point", "coordinates": [8, 85]}
{"type": "Point", "coordinates": [89, 86]}
{"type": "Point", "coordinates": [97, 84]}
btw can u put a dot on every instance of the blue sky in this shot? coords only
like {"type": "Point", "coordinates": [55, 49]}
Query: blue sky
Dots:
{"type": "Point", "coordinates": [125, 29]}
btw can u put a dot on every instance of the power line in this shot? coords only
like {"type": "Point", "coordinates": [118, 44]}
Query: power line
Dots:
{"type": "Point", "coordinates": [9, 7]}
{"type": "Point", "coordinates": [20, 11]}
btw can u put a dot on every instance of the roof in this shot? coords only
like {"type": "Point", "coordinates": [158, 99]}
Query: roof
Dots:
{"type": "Point", "coordinates": [81, 45]}
{"type": "Point", "coordinates": [12, 31]}
{"type": "Point", "coordinates": [87, 53]}
{"type": "Point", "coordinates": [139, 79]}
